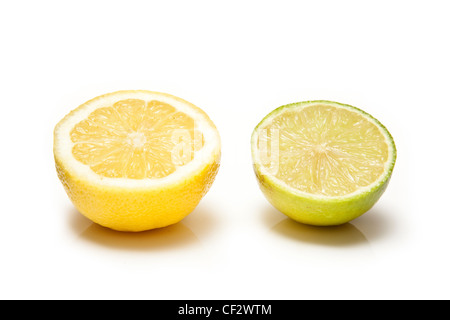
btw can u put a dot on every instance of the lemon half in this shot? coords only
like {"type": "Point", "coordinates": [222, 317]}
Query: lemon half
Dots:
{"type": "Point", "coordinates": [322, 162]}
{"type": "Point", "coordinates": [136, 160]}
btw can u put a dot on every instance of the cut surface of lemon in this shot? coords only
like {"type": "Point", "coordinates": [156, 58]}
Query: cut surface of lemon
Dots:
{"type": "Point", "coordinates": [136, 160]}
{"type": "Point", "coordinates": [322, 162]}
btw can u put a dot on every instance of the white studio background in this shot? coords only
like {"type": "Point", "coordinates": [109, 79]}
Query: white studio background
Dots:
{"type": "Point", "coordinates": [237, 60]}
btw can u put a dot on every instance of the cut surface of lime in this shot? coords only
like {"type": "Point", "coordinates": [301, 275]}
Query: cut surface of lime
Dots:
{"type": "Point", "coordinates": [322, 162]}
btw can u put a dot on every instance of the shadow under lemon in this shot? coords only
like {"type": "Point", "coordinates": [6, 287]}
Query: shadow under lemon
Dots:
{"type": "Point", "coordinates": [171, 237]}
{"type": "Point", "coordinates": [344, 235]}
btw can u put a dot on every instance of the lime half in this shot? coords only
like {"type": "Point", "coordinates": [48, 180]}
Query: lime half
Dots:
{"type": "Point", "coordinates": [322, 162]}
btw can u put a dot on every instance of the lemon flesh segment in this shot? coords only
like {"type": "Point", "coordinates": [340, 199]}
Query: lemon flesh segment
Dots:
{"type": "Point", "coordinates": [135, 139]}
{"type": "Point", "coordinates": [136, 160]}
{"type": "Point", "coordinates": [322, 162]}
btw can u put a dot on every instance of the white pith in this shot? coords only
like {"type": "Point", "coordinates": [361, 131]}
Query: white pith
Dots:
{"type": "Point", "coordinates": [63, 144]}
{"type": "Point", "coordinates": [266, 123]}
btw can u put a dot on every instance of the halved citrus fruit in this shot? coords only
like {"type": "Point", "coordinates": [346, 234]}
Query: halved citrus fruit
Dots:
{"type": "Point", "coordinates": [136, 160]}
{"type": "Point", "coordinates": [322, 162]}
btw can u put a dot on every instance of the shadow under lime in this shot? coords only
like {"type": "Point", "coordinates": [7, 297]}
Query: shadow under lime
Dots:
{"type": "Point", "coordinates": [360, 232]}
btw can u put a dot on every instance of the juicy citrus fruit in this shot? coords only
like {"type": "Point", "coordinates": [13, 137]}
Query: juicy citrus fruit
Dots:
{"type": "Point", "coordinates": [136, 160]}
{"type": "Point", "coordinates": [322, 162]}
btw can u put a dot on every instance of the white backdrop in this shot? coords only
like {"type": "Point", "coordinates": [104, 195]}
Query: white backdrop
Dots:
{"type": "Point", "coordinates": [237, 60]}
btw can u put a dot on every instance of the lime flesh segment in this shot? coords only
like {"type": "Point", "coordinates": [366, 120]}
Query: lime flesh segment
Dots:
{"type": "Point", "coordinates": [322, 162]}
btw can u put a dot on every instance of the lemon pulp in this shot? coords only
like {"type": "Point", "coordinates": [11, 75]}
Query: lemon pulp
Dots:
{"type": "Point", "coordinates": [135, 139]}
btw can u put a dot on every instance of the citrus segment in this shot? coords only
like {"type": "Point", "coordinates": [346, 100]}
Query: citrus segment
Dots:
{"type": "Point", "coordinates": [132, 139]}
{"type": "Point", "coordinates": [327, 150]}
